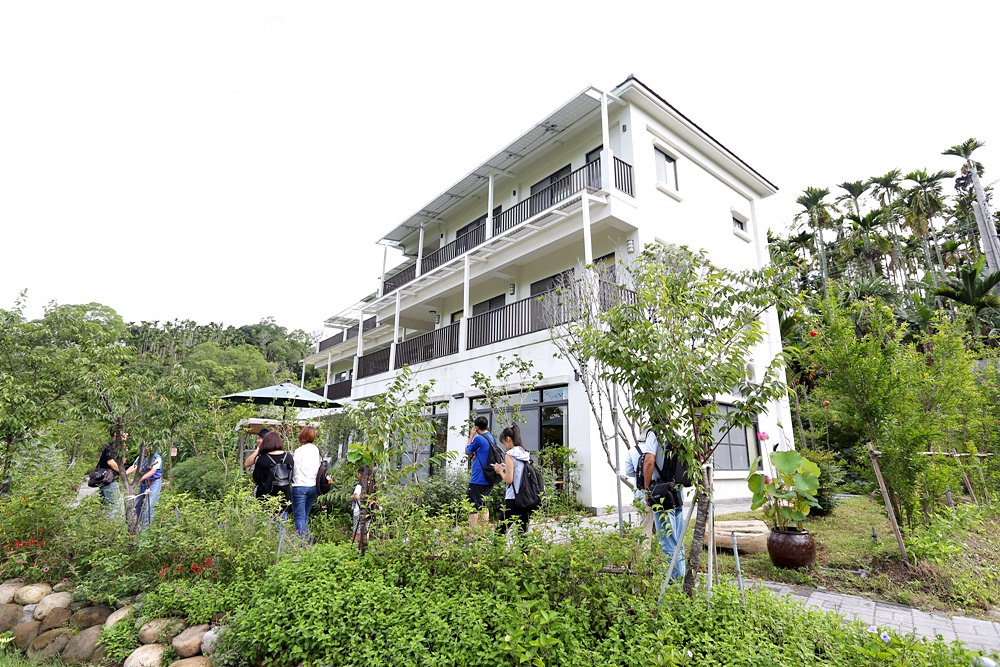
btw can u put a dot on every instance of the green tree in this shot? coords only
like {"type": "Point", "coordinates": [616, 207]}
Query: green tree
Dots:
{"type": "Point", "coordinates": [818, 213]}
{"type": "Point", "coordinates": [230, 369]}
{"type": "Point", "coordinates": [974, 288]}
{"type": "Point", "coordinates": [682, 345]}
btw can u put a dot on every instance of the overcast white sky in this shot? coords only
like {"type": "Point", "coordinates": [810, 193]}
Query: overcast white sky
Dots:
{"type": "Point", "coordinates": [228, 161]}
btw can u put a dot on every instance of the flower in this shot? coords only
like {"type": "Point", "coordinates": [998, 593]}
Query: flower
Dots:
{"type": "Point", "coordinates": [873, 629]}
{"type": "Point", "coordinates": [690, 654]}
{"type": "Point", "coordinates": [826, 404]}
{"type": "Point", "coordinates": [767, 479]}
{"type": "Point", "coordinates": [885, 637]}
{"type": "Point", "coordinates": [45, 569]}
{"type": "Point", "coordinates": [762, 435]}
{"type": "Point", "coordinates": [813, 333]}
{"type": "Point", "coordinates": [195, 568]}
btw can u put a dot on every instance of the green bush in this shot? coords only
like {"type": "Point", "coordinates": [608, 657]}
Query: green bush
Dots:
{"type": "Point", "coordinates": [119, 641]}
{"type": "Point", "coordinates": [201, 477]}
{"type": "Point", "coordinates": [831, 477]}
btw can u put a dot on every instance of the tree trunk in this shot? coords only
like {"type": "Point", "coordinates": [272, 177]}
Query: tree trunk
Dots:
{"type": "Point", "coordinates": [698, 539]}
{"type": "Point", "coordinates": [8, 460]}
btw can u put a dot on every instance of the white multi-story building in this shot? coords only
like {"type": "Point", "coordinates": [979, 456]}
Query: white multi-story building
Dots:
{"type": "Point", "coordinates": [596, 179]}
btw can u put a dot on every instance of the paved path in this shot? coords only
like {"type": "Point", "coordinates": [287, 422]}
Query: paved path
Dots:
{"type": "Point", "coordinates": [977, 634]}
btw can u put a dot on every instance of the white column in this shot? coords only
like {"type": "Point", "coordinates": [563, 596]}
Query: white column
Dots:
{"type": "Point", "coordinates": [588, 242]}
{"type": "Point", "coordinates": [395, 336]}
{"type": "Point", "coordinates": [361, 331]}
{"type": "Point", "coordinates": [489, 208]}
{"type": "Point", "coordinates": [420, 250]}
{"type": "Point", "coordinates": [381, 283]}
{"type": "Point", "coordinates": [607, 157]}
{"type": "Point", "coordinates": [329, 364]}
{"type": "Point", "coordinates": [463, 327]}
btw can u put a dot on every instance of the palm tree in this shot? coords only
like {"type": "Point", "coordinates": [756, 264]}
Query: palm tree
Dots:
{"type": "Point", "coordinates": [971, 171]}
{"type": "Point", "coordinates": [924, 201]}
{"type": "Point", "coordinates": [886, 190]}
{"type": "Point", "coordinates": [819, 217]}
{"type": "Point", "coordinates": [868, 226]}
{"type": "Point", "coordinates": [973, 288]}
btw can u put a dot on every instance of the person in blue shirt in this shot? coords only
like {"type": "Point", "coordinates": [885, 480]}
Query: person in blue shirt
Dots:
{"type": "Point", "coordinates": [478, 449]}
{"type": "Point", "coordinates": [150, 485]}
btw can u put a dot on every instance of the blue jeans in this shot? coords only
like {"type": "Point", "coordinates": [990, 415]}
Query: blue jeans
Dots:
{"type": "Point", "coordinates": [109, 497]}
{"type": "Point", "coordinates": [145, 504]}
{"type": "Point", "coordinates": [303, 498]}
{"type": "Point", "coordinates": [670, 533]}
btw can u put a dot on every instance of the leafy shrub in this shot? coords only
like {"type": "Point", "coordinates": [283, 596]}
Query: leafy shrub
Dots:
{"type": "Point", "coordinates": [121, 640]}
{"type": "Point", "coordinates": [201, 477]}
{"type": "Point", "coordinates": [831, 477]}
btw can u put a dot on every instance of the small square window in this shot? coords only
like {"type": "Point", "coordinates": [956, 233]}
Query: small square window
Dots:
{"type": "Point", "coordinates": [666, 170]}
{"type": "Point", "coordinates": [739, 224]}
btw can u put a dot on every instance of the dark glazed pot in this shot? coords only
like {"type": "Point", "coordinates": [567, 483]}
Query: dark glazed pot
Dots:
{"type": "Point", "coordinates": [791, 548]}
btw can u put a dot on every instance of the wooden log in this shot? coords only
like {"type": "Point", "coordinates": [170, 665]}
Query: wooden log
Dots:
{"type": "Point", "coordinates": [751, 535]}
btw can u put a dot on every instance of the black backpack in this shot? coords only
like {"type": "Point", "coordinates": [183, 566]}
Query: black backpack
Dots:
{"type": "Point", "coordinates": [322, 483]}
{"type": "Point", "coordinates": [281, 475]}
{"type": "Point", "coordinates": [529, 495]}
{"type": "Point", "coordinates": [495, 455]}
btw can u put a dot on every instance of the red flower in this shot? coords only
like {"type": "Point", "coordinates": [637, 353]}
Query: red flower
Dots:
{"type": "Point", "coordinates": [195, 568]}
{"type": "Point", "coordinates": [208, 562]}
{"type": "Point", "coordinates": [17, 545]}
{"type": "Point", "coordinates": [180, 568]}
{"type": "Point", "coordinates": [813, 333]}
{"type": "Point", "coordinates": [826, 404]}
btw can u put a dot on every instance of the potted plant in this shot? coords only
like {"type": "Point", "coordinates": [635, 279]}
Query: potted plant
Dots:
{"type": "Point", "coordinates": [786, 500]}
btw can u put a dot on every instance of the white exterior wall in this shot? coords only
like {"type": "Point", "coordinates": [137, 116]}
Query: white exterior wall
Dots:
{"type": "Point", "coordinates": [699, 214]}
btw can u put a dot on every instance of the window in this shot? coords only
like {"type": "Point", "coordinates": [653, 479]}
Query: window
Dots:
{"type": "Point", "coordinates": [558, 280]}
{"type": "Point", "coordinates": [739, 224]}
{"type": "Point", "coordinates": [478, 222]}
{"type": "Point", "coordinates": [543, 195]}
{"type": "Point", "coordinates": [482, 307]}
{"type": "Point", "coordinates": [544, 414]}
{"type": "Point", "coordinates": [666, 170]}
{"type": "Point", "coordinates": [733, 452]}
{"type": "Point", "coordinates": [594, 172]}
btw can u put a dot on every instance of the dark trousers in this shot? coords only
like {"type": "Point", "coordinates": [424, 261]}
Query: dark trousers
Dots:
{"type": "Point", "coordinates": [512, 515]}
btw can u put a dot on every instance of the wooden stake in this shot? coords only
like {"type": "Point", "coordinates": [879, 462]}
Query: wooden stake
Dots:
{"type": "Point", "coordinates": [885, 498]}
{"type": "Point", "coordinates": [968, 482]}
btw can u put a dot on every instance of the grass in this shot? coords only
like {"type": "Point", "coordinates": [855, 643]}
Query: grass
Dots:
{"type": "Point", "coordinates": [10, 657]}
{"type": "Point", "coordinates": [964, 579]}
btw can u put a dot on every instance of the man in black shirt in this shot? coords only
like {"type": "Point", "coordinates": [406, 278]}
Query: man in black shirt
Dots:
{"type": "Point", "coordinates": [109, 461]}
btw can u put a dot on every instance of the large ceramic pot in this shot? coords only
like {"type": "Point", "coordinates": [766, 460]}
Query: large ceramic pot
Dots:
{"type": "Point", "coordinates": [791, 548]}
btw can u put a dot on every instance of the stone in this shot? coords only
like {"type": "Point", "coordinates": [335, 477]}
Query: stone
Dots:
{"type": "Point", "coordinates": [754, 542]}
{"type": "Point", "coordinates": [55, 619]}
{"type": "Point", "coordinates": [100, 653]}
{"type": "Point", "coordinates": [81, 648]}
{"type": "Point", "coordinates": [90, 616]}
{"type": "Point", "coordinates": [197, 661]}
{"type": "Point", "coordinates": [25, 633]}
{"type": "Point", "coordinates": [149, 655]}
{"type": "Point", "coordinates": [219, 617]}
{"type": "Point", "coordinates": [118, 615]}
{"type": "Point", "coordinates": [210, 640]}
{"type": "Point", "coordinates": [188, 643]}
{"type": "Point", "coordinates": [32, 593]}
{"type": "Point", "coordinates": [28, 613]}
{"type": "Point", "coordinates": [49, 644]}
{"type": "Point", "coordinates": [160, 629]}
{"type": "Point", "coordinates": [77, 606]}
{"type": "Point", "coordinates": [62, 587]}
{"type": "Point", "coordinates": [7, 590]}
{"type": "Point", "coordinates": [10, 615]}
{"type": "Point", "coordinates": [50, 602]}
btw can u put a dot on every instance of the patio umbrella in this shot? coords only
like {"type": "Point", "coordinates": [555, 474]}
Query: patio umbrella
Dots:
{"type": "Point", "coordinates": [284, 394]}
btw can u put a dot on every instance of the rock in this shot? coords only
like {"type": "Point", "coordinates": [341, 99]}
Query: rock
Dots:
{"type": "Point", "coordinates": [81, 648]}
{"type": "Point", "coordinates": [188, 643]}
{"type": "Point", "coordinates": [49, 644]}
{"type": "Point", "coordinates": [753, 543]}
{"type": "Point", "coordinates": [219, 617]}
{"type": "Point", "coordinates": [32, 593]}
{"type": "Point", "coordinates": [210, 640]}
{"type": "Point", "coordinates": [100, 653]}
{"type": "Point", "coordinates": [25, 633]}
{"type": "Point", "coordinates": [90, 616]}
{"type": "Point", "coordinates": [160, 629]}
{"type": "Point", "coordinates": [149, 655]}
{"type": "Point", "coordinates": [50, 602]}
{"type": "Point", "coordinates": [77, 606]}
{"type": "Point", "coordinates": [10, 615]}
{"type": "Point", "coordinates": [62, 587]}
{"type": "Point", "coordinates": [118, 615]}
{"type": "Point", "coordinates": [198, 661]}
{"type": "Point", "coordinates": [28, 613]}
{"type": "Point", "coordinates": [55, 619]}
{"type": "Point", "coordinates": [7, 590]}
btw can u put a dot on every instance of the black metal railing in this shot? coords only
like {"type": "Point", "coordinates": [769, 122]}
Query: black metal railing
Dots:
{"type": "Point", "coordinates": [459, 246]}
{"type": "Point", "coordinates": [587, 176]}
{"type": "Point", "coordinates": [340, 389]}
{"type": "Point", "coordinates": [321, 391]}
{"type": "Point", "coordinates": [519, 318]}
{"type": "Point", "coordinates": [409, 274]}
{"type": "Point", "coordinates": [347, 335]}
{"type": "Point", "coordinates": [331, 341]}
{"type": "Point", "coordinates": [623, 176]}
{"type": "Point", "coordinates": [373, 363]}
{"type": "Point", "coordinates": [431, 345]}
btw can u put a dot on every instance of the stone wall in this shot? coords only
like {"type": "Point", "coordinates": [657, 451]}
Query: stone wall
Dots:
{"type": "Point", "coordinates": [47, 623]}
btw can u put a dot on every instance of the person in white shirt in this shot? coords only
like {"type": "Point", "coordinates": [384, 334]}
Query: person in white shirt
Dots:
{"type": "Point", "coordinates": [639, 499]}
{"type": "Point", "coordinates": [304, 493]}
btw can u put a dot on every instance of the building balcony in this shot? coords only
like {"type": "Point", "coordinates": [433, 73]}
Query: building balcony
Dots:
{"type": "Point", "coordinates": [345, 335]}
{"type": "Point", "coordinates": [539, 203]}
{"type": "Point", "coordinates": [431, 345]}
{"type": "Point", "coordinates": [339, 390]}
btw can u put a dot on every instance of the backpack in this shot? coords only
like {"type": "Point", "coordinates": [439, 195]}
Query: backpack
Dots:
{"type": "Point", "coordinates": [666, 492]}
{"type": "Point", "coordinates": [281, 475]}
{"type": "Point", "coordinates": [529, 495]}
{"type": "Point", "coordinates": [495, 455]}
{"type": "Point", "coordinates": [322, 483]}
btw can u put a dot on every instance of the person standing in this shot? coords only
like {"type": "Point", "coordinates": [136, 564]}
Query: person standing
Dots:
{"type": "Point", "coordinates": [511, 471]}
{"type": "Point", "coordinates": [478, 449]}
{"type": "Point", "coordinates": [255, 453]}
{"type": "Point", "coordinates": [304, 493]}
{"type": "Point", "coordinates": [272, 471]}
{"type": "Point", "coordinates": [660, 468]}
{"type": "Point", "coordinates": [150, 485]}
{"type": "Point", "coordinates": [109, 461]}
{"type": "Point", "coordinates": [632, 467]}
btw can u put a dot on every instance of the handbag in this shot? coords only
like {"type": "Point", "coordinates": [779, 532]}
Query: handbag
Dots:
{"type": "Point", "coordinates": [100, 477]}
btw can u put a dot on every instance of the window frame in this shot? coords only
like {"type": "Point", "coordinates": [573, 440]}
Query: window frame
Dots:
{"type": "Point", "coordinates": [672, 158]}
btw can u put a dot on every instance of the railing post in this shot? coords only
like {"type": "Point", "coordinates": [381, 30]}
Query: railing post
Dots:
{"type": "Point", "coordinates": [588, 243]}
{"type": "Point", "coordinates": [489, 209]}
{"type": "Point", "coordinates": [420, 252]}
{"type": "Point", "coordinates": [395, 336]}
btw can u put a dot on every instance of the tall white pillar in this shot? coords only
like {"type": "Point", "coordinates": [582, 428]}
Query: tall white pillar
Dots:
{"type": "Point", "coordinates": [489, 208]}
{"type": "Point", "coordinates": [329, 364]}
{"type": "Point", "coordinates": [588, 242]}
{"type": "Point", "coordinates": [381, 282]}
{"type": "Point", "coordinates": [463, 327]}
{"type": "Point", "coordinates": [607, 156]}
{"type": "Point", "coordinates": [420, 250]}
{"type": "Point", "coordinates": [395, 335]}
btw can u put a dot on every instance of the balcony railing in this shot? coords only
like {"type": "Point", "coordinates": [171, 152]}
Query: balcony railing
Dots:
{"type": "Point", "coordinates": [321, 391]}
{"type": "Point", "coordinates": [623, 177]}
{"type": "Point", "coordinates": [373, 363]}
{"type": "Point", "coordinates": [519, 318]}
{"type": "Point", "coordinates": [431, 345]}
{"type": "Point", "coordinates": [347, 335]}
{"type": "Point", "coordinates": [408, 274]}
{"type": "Point", "coordinates": [340, 389]}
{"type": "Point", "coordinates": [459, 246]}
{"type": "Point", "coordinates": [587, 176]}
